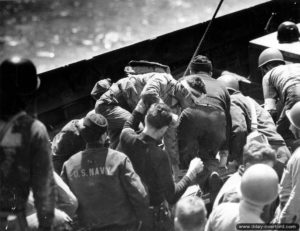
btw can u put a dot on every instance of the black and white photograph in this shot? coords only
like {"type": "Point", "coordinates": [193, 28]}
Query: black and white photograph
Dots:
{"type": "Point", "coordinates": [149, 115]}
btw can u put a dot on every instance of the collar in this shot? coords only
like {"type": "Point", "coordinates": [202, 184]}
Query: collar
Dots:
{"type": "Point", "coordinates": [149, 139]}
{"type": "Point", "coordinates": [94, 145]}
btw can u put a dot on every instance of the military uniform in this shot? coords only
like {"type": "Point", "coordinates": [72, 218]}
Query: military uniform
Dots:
{"type": "Point", "coordinates": [283, 83]}
{"type": "Point", "coordinates": [66, 143]}
{"type": "Point", "coordinates": [110, 193]}
{"type": "Point", "coordinates": [25, 162]}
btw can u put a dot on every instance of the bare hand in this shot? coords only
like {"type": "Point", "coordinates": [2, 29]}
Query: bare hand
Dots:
{"type": "Point", "coordinates": [196, 167]}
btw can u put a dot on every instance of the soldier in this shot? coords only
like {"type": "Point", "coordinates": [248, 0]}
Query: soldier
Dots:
{"type": "Point", "coordinates": [259, 187]}
{"type": "Point", "coordinates": [110, 194]}
{"type": "Point", "coordinates": [253, 153]}
{"type": "Point", "coordinates": [280, 83]}
{"type": "Point", "coordinates": [25, 154]}
{"type": "Point", "coordinates": [69, 141]}
{"type": "Point", "coordinates": [248, 116]}
{"type": "Point", "coordinates": [204, 129]}
{"type": "Point", "coordinates": [289, 194]}
{"type": "Point", "coordinates": [148, 82]}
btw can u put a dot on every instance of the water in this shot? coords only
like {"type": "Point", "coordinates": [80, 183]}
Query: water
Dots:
{"type": "Point", "coordinates": [54, 33]}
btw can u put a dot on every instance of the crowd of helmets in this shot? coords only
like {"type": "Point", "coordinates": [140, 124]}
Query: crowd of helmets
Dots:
{"type": "Point", "coordinates": [258, 188]}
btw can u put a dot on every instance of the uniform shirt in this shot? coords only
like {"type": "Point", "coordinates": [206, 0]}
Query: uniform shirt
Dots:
{"type": "Point", "coordinates": [277, 81]}
{"type": "Point", "coordinates": [152, 87]}
{"type": "Point", "coordinates": [151, 163]}
{"type": "Point", "coordinates": [25, 162]}
{"type": "Point", "coordinates": [108, 190]}
{"type": "Point", "coordinates": [128, 91]}
{"type": "Point", "coordinates": [289, 193]}
{"type": "Point", "coordinates": [226, 216]}
{"type": "Point", "coordinates": [66, 143]}
{"type": "Point", "coordinates": [218, 96]}
{"type": "Point", "coordinates": [265, 122]}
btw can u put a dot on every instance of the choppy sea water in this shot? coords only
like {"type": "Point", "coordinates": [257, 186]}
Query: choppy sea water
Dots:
{"type": "Point", "coordinates": [54, 33]}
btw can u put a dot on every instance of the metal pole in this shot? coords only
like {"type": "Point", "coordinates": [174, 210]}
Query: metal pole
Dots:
{"type": "Point", "coordinates": [203, 37]}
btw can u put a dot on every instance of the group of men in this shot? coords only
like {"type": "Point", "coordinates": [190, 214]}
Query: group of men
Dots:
{"type": "Point", "coordinates": [120, 163]}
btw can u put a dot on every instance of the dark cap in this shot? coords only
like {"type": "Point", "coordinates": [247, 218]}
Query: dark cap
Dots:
{"type": "Point", "coordinates": [143, 66]}
{"type": "Point", "coordinates": [100, 87]}
{"type": "Point", "coordinates": [201, 63]}
{"type": "Point", "coordinates": [94, 125]}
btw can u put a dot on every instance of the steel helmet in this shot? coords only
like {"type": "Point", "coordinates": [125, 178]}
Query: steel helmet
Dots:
{"type": "Point", "coordinates": [18, 75]}
{"type": "Point", "coordinates": [288, 32]}
{"type": "Point", "coordinates": [259, 184]}
{"type": "Point", "coordinates": [294, 115]}
{"type": "Point", "coordinates": [269, 55]}
{"type": "Point", "coordinates": [229, 81]}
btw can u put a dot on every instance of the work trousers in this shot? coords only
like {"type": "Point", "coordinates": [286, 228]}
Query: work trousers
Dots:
{"type": "Point", "coordinates": [292, 96]}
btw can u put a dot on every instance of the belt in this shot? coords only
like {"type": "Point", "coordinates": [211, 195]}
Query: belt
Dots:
{"type": "Point", "coordinates": [211, 102]}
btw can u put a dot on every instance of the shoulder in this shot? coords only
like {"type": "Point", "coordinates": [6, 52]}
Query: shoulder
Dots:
{"type": "Point", "coordinates": [76, 158]}
{"type": "Point", "coordinates": [37, 127]}
{"type": "Point", "coordinates": [116, 155]}
{"type": "Point", "coordinates": [70, 126]}
{"type": "Point", "coordinates": [225, 211]}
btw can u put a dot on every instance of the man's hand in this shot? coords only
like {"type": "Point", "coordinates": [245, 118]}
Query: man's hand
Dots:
{"type": "Point", "coordinates": [141, 107]}
{"type": "Point", "coordinates": [223, 158]}
{"type": "Point", "coordinates": [196, 166]}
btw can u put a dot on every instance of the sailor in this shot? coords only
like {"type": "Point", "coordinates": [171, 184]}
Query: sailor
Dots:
{"type": "Point", "coordinates": [25, 154]}
{"type": "Point", "coordinates": [152, 163]}
{"type": "Point", "coordinates": [204, 129]}
{"type": "Point", "coordinates": [68, 140]}
{"type": "Point", "coordinates": [110, 194]}
{"type": "Point", "coordinates": [248, 116]}
{"type": "Point", "coordinates": [149, 82]}
{"type": "Point", "coordinates": [190, 214]}
{"type": "Point", "coordinates": [281, 82]}
{"type": "Point", "coordinates": [259, 187]}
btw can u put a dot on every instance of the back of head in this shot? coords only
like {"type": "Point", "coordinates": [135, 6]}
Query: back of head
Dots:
{"type": "Point", "coordinates": [100, 87]}
{"type": "Point", "coordinates": [190, 214]}
{"type": "Point", "coordinates": [255, 152]}
{"type": "Point", "coordinates": [259, 185]}
{"type": "Point", "coordinates": [18, 76]}
{"type": "Point", "coordinates": [294, 115]}
{"type": "Point", "coordinates": [159, 115]}
{"type": "Point", "coordinates": [93, 127]}
{"type": "Point", "coordinates": [270, 55]}
{"type": "Point", "coordinates": [288, 32]}
{"type": "Point", "coordinates": [229, 81]}
{"type": "Point", "coordinates": [201, 63]}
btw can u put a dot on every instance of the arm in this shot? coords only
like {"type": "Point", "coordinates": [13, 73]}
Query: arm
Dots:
{"type": "Point", "coordinates": [291, 210]}
{"type": "Point", "coordinates": [66, 200]}
{"type": "Point", "coordinates": [226, 147]}
{"type": "Point", "coordinates": [270, 96]}
{"type": "Point", "coordinates": [42, 175]}
{"type": "Point", "coordinates": [157, 88]}
{"type": "Point", "coordinates": [136, 192]}
{"type": "Point", "coordinates": [171, 190]}
{"type": "Point", "coordinates": [134, 120]}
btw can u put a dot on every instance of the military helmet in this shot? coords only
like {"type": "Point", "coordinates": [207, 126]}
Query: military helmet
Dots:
{"type": "Point", "coordinates": [269, 55]}
{"type": "Point", "coordinates": [259, 184]}
{"type": "Point", "coordinates": [19, 75]}
{"type": "Point", "coordinates": [229, 81]}
{"type": "Point", "coordinates": [288, 32]}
